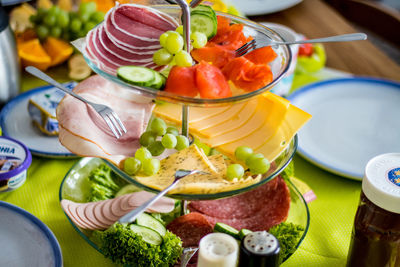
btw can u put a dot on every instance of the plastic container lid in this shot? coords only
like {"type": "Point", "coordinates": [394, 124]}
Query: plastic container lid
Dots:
{"type": "Point", "coordinates": [381, 183]}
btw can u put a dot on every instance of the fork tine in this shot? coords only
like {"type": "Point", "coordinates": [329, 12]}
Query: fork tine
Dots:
{"type": "Point", "coordinates": [110, 125]}
{"type": "Point", "coordinates": [114, 122]}
{"type": "Point", "coordinates": [119, 121]}
{"type": "Point", "coordinates": [246, 48]}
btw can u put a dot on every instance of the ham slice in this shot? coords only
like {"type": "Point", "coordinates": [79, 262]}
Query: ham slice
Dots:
{"type": "Point", "coordinates": [103, 214]}
{"type": "Point", "coordinates": [85, 133]}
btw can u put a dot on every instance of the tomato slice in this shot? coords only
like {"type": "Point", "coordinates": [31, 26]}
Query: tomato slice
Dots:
{"type": "Point", "coordinates": [217, 55]}
{"type": "Point", "coordinates": [262, 55]}
{"type": "Point", "coordinates": [181, 81]}
{"type": "Point", "coordinates": [211, 82]}
{"type": "Point", "coordinates": [306, 50]}
{"type": "Point", "coordinates": [230, 38]}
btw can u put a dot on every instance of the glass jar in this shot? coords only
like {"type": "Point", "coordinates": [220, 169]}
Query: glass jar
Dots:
{"type": "Point", "coordinates": [376, 232]}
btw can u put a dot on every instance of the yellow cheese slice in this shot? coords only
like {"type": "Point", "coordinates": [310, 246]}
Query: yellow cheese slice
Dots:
{"type": "Point", "coordinates": [273, 147]}
{"type": "Point", "coordinates": [173, 112]}
{"type": "Point", "coordinates": [269, 115]}
{"type": "Point", "coordinates": [235, 122]}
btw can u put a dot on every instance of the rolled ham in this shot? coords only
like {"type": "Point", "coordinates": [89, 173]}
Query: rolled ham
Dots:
{"type": "Point", "coordinates": [84, 132]}
{"type": "Point", "coordinates": [129, 35]}
{"type": "Point", "coordinates": [102, 214]}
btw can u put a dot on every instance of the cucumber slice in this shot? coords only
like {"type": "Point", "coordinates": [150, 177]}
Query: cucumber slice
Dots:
{"type": "Point", "coordinates": [243, 232]}
{"type": "Point", "coordinates": [159, 80]}
{"type": "Point", "coordinates": [149, 221]}
{"type": "Point", "coordinates": [203, 8]}
{"type": "Point", "coordinates": [226, 229]}
{"type": "Point", "coordinates": [136, 75]}
{"type": "Point", "coordinates": [149, 236]}
{"type": "Point", "coordinates": [203, 22]}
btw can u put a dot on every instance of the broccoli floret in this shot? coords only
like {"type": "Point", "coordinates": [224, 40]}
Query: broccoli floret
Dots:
{"type": "Point", "coordinates": [102, 185]}
{"type": "Point", "coordinates": [288, 235]}
{"type": "Point", "coordinates": [125, 247]}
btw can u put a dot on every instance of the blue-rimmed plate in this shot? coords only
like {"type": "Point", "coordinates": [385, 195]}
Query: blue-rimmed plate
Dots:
{"type": "Point", "coordinates": [25, 240]}
{"type": "Point", "coordinates": [16, 123]}
{"type": "Point", "coordinates": [354, 119]}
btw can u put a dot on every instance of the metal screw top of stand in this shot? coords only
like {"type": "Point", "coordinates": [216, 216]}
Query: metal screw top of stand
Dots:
{"type": "Point", "coordinates": [262, 243]}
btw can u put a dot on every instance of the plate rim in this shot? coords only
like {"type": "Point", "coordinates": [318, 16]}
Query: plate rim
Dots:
{"type": "Point", "coordinates": [42, 226]}
{"type": "Point", "coordinates": [278, 7]}
{"type": "Point", "coordinates": [10, 106]}
{"type": "Point", "coordinates": [318, 85]}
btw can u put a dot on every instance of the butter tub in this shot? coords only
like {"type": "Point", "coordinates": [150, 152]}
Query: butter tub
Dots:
{"type": "Point", "coordinates": [15, 159]}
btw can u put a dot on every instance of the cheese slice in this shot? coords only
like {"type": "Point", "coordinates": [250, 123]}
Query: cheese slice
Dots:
{"type": "Point", "coordinates": [273, 147]}
{"type": "Point", "coordinates": [235, 122]}
{"type": "Point", "coordinates": [173, 112]}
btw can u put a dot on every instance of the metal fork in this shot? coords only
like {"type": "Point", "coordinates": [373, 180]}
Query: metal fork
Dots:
{"type": "Point", "coordinates": [247, 47]}
{"type": "Point", "coordinates": [109, 116]}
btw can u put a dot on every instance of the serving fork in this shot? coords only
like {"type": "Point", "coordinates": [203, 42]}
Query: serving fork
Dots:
{"type": "Point", "coordinates": [247, 47]}
{"type": "Point", "coordinates": [110, 117]}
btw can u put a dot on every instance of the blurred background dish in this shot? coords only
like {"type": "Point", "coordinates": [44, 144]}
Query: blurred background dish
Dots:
{"type": "Point", "coordinates": [354, 119]}
{"type": "Point", "coordinates": [259, 7]}
{"type": "Point", "coordinates": [16, 123]}
{"type": "Point", "coordinates": [25, 240]}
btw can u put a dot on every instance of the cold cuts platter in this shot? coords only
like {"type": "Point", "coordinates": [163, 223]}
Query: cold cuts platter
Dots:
{"type": "Point", "coordinates": [113, 44]}
{"type": "Point", "coordinates": [75, 191]}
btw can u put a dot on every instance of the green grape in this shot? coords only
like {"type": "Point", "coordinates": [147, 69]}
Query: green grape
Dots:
{"type": "Point", "coordinates": [84, 17]}
{"type": "Point", "coordinates": [172, 130]}
{"type": "Point", "coordinates": [88, 26]}
{"type": "Point", "coordinates": [87, 8]}
{"type": "Point", "coordinates": [243, 152]}
{"type": "Point", "coordinates": [163, 38]}
{"type": "Point", "coordinates": [179, 30]}
{"type": "Point", "coordinates": [199, 39]}
{"type": "Point", "coordinates": [158, 126]}
{"type": "Point", "coordinates": [54, 10]}
{"type": "Point", "coordinates": [147, 138]}
{"type": "Point", "coordinates": [82, 33]}
{"type": "Point", "coordinates": [75, 25]}
{"type": "Point", "coordinates": [181, 142]}
{"type": "Point", "coordinates": [63, 19]}
{"type": "Point", "coordinates": [169, 141]}
{"type": "Point", "coordinates": [132, 165]}
{"type": "Point", "coordinates": [97, 17]}
{"type": "Point", "coordinates": [162, 57]}
{"type": "Point", "coordinates": [183, 59]}
{"type": "Point", "coordinates": [40, 14]}
{"type": "Point", "coordinates": [34, 19]}
{"type": "Point", "coordinates": [234, 171]}
{"type": "Point", "coordinates": [55, 32]}
{"type": "Point", "coordinates": [253, 157]}
{"type": "Point", "coordinates": [174, 43]}
{"type": "Point", "coordinates": [142, 154]}
{"type": "Point", "coordinates": [50, 20]}
{"type": "Point", "coordinates": [156, 148]}
{"type": "Point", "coordinates": [259, 166]}
{"type": "Point", "coordinates": [42, 32]}
{"type": "Point", "coordinates": [151, 166]}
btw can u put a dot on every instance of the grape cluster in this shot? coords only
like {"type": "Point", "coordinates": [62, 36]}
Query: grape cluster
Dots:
{"type": "Point", "coordinates": [154, 141]}
{"type": "Point", "coordinates": [172, 48]}
{"type": "Point", "coordinates": [256, 162]}
{"type": "Point", "coordinates": [69, 26]}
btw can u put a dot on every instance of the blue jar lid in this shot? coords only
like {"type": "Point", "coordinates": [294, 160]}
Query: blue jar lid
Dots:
{"type": "Point", "coordinates": [11, 149]}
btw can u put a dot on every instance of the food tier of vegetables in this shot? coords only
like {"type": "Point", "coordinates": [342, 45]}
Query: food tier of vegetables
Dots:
{"type": "Point", "coordinates": [235, 146]}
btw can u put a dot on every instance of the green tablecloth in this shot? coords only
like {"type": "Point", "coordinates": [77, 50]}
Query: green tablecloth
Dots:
{"type": "Point", "coordinates": [326, 243]}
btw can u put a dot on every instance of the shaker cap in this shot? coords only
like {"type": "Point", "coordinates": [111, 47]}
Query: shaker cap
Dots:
{"type": "Point", "coordinates": [381, 183]}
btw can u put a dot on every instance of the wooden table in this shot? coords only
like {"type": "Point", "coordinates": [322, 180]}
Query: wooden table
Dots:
{"type": "Point", "coordinates": [315, 18]}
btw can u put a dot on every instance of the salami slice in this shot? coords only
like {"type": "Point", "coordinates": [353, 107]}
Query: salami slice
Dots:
{"type": "Point", "coordinates": [259, 209]}
{"type": "Point", "coordinates": [190, 228]}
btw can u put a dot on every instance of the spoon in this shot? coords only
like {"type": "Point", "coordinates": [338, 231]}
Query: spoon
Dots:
{"type": "Point", "coordinates": [132, 215]}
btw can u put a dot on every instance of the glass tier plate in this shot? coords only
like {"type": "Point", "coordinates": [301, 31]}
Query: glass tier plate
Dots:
{"type": "Point", "coordinates": [277, 167]}
{"type": "Point", "coordinates": [74, 187]}
{"type": "Point", "coordinates": [259, 32]}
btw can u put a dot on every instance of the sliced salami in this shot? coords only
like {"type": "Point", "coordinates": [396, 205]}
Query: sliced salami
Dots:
{"type": "Point", "coordinates": [190, 228]}
{"type": "Point", "coordinates": [259, 209]}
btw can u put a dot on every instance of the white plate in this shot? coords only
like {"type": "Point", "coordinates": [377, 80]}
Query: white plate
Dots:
{"type": "Point", "coordinates": [25, 240]}
{"type": "Point", "coordinates": [259, 7]}
{"type": "Point", "coordinates": [16, 123]}
{"type": "Point", "coordinates": [354, 119]}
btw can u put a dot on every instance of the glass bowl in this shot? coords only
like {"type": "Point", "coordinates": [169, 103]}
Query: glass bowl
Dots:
{"type": "Point", "coordinates": [277, 167]}
{"type": "Point", "coordinates": [74, 187]}
{"type": "Point", "coordinates": [259, 32]}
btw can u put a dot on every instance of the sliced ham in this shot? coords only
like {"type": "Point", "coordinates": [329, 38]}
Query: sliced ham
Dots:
{"type": "Point", "coordinates": [102, 214]}
{"type": "Point", "coordinates": [85, 133]}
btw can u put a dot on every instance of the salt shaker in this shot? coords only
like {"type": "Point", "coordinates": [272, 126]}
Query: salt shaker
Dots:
{"type": "Point", "coordinates": [376, 232]}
